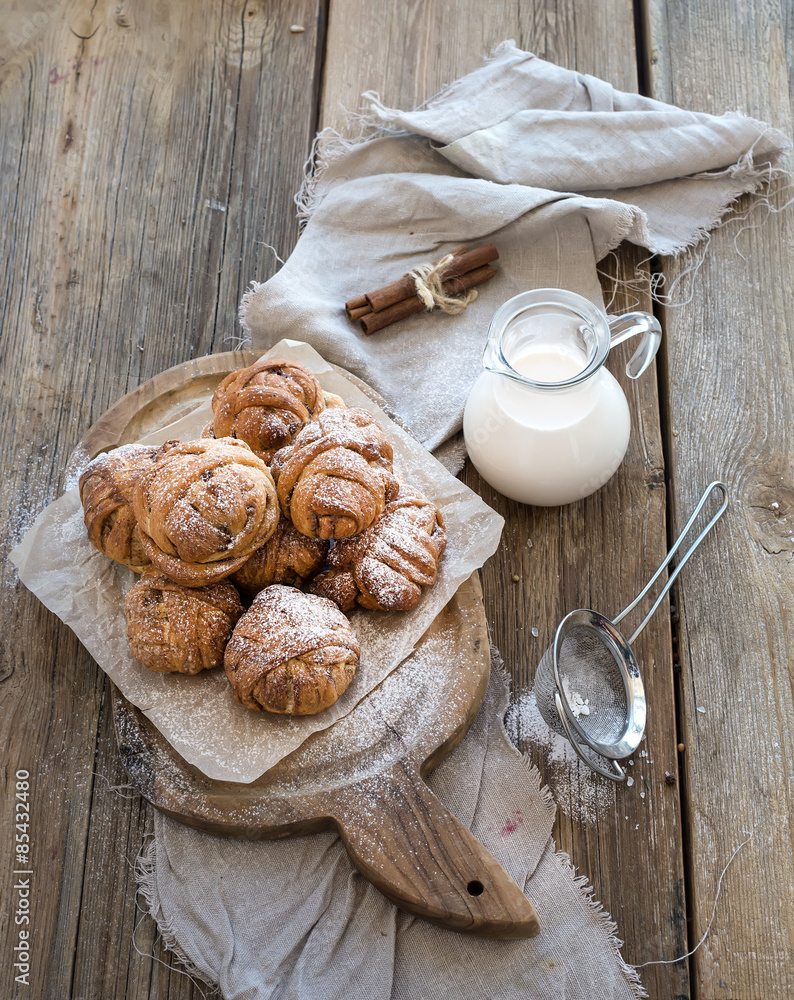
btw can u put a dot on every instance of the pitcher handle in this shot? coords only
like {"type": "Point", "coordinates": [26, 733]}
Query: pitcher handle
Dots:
{"type": "Point", "coordinates": [629, 324]}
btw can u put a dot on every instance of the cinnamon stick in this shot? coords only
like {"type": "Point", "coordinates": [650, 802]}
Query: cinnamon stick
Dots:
{"type": "Point", "coordinates": [356, 305]}
{"type": "Point", "coordinates": [358, 312]}
{"type": "Point", "coordinates": [405, 287]}
{"type": "Point", "coordinates": [411, 305]}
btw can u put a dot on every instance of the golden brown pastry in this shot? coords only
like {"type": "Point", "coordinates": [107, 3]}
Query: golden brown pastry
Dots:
{"type": "Point", "coordinates": [286, 557]}
{"type": "Point", "coordinates": [291, 653]}
{"type": "Point", "coordinates": [266, 405]}
{"type": "Point", "coordinates": [333, 402]}
{"type": "Point", "coordinates": [176, 629]}
{"type": "Point", "coordinates": [336, 478]}
{"type": "Point", "coordinates": [106, 488]}
{"type": "Point", "coordinates": [385, 567]}
{"type": "Point", "coordinates": [203, 508]}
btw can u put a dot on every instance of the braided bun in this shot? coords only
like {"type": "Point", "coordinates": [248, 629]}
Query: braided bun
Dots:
{"type": "Point", "coordinates": [266, 405]}
{"type": "Point", "coordinates": [336, 478]}
{"type": "Point", "coordinates": [291, 653]}
{"type": "Point", "coordinates": [203, 508]}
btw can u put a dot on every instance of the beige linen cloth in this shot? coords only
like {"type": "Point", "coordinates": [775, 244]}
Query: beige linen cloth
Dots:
{"type": "Point", "coordinates": [556, 168]}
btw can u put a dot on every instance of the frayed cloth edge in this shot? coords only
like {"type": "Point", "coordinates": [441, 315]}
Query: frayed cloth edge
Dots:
{"type": "Point", "coordinates": [751, 179]}
{"type": "Point", "coordinates": [145, 870]}
{"type": "Point", "coordinates": [767, 178]}
{"type": "Point", "coordinates": [586, 891]}
{"type": "Point", "coordinates": [330, 145]}
{"type": "Point", "coordinates": [581, 882]}
{"type": "Point", "coordinates": [242, 309]}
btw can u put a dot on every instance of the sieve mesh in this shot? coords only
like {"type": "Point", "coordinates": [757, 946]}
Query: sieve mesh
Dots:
{"type": "Point", "coordinates": [601, 689]}
{"type": "Point", "coordinates": [589, 666]}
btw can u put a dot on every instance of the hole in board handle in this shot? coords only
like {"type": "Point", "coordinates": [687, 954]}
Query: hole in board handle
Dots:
{"type": "Point", "coordinates": [475, 888]}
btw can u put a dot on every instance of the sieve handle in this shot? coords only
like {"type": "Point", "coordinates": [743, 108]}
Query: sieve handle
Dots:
{"type": "Point", "coordinates": [684, 559]}
{"type": "Point", "coordinates": [617, 775]}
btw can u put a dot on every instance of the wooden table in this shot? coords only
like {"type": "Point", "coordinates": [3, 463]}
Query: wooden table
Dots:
{"type": "Point", "coordinates": [149, 154]}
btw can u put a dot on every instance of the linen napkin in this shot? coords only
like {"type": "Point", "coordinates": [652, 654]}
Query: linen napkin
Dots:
{"type": "Point", "coordinates": [292, 919]}
{"type": "Point", "coordinates": [556, 168]}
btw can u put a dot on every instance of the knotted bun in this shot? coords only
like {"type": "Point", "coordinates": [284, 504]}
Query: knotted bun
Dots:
{"type": "Point", "coordinates": [106, 489]}
{"type": "Point", "coordinates": [291, 653]}
{"type": "Point", "coordinates": [176, 629]}
{"type": "Point", "coordinates": [385, 567]}
{"type": "Point", "coordinates": [203, 508]}
{"type": "Point", "coordinates": [266, 405]}
{"type": "Point", "coordinates": [336, 478]}
{"type": "Point", "coordinates": [286, 557]}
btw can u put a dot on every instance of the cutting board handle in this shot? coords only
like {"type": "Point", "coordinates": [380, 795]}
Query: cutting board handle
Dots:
{"type": "Point", "coordinates": [411, 847]}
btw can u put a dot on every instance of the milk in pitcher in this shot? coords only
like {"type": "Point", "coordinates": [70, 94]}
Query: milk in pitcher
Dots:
{"type": "Point", "coordinates": [546, 423]}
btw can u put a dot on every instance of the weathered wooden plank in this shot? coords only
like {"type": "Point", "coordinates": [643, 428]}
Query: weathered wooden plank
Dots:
{"type": "Point", "coordinates": [407, 52]}
{"type": "Point", "coordinates": [147, 153]}
{"type": "Point", "coordinates": [595, 553]}
{"type": "Point", "coordinates": [728, 396]}
{"type": "Point", "coordinates": [598, 553]}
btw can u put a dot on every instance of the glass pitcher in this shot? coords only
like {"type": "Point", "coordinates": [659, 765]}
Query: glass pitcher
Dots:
{"type": "Point", "coordinates": [546, 423]}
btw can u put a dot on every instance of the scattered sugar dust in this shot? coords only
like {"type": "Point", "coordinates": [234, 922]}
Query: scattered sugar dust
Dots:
{"type": "Point", "coordinates": [578, 791]}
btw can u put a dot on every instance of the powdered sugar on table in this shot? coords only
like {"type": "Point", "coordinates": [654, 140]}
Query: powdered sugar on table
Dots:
{"type": "Point", "coordinates": [578, 791]}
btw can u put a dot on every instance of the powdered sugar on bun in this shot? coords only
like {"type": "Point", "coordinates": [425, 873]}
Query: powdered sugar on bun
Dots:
{"type": "Point", "coordinates": [204, 508]}
{"type": "Point", "coordinates": [291, 653]}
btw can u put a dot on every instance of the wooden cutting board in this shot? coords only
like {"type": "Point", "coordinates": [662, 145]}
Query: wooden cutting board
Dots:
{"type": "Point", "coordinates": [365, 774]}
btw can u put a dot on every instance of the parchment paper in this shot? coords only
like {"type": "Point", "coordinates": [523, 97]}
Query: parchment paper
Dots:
{"type": "Point", "coordinates": [198, 715]}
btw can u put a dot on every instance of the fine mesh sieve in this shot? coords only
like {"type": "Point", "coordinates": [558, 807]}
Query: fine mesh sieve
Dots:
{"type": "Point", "coordinates": [588, 686]}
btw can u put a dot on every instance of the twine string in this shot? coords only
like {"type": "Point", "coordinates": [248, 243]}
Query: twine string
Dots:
{"type": "Point", "coordinates": [673, 961]}
{"type": "Point", "coordinates": [429, 282]}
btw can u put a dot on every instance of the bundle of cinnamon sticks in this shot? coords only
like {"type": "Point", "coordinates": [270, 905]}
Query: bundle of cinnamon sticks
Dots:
{"type": "Point", "coordinates": [398, 300]}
